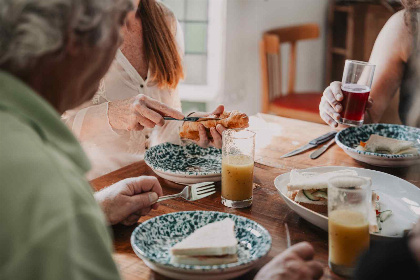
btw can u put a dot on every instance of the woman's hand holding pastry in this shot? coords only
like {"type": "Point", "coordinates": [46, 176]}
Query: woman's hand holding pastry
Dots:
{"type": "Point", "coordinates": [139, 112]}
{"type": "Point", "coordinates": [216, 132]}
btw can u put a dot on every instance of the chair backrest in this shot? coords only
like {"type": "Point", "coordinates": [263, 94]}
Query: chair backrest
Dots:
{"type": "Point", "coordinates": [271, 58]}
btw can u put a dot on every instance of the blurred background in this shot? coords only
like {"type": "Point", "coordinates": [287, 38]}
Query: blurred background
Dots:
{"type": "Point", "coordinates": [229, 58]}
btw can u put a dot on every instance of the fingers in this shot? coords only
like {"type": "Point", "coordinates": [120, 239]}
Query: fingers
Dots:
{"type": "Point", "coordinates": [219, 110]}
{"type": "Point", "coordinates": [316, 269]}
{"type": "Point", "coordinates": [142, 202]}
{"type": "Point", "coordinates": [369, 104]}
{"type": "Point", "coordinates": [144, 121]}
{"type": "Point", "coordinates": [217, 138]}
{"type": "Point", "coordinates": [153, 117]}
{"type": "Point", "coordinates": [336, 90]}
{"type": "Point", "coordinates": [143, 184]}
{"type": "Point", "coordinates": [149, 112]}
{"type": "Point", "coordinates": [149, 184]}
{"type": "Point", "coordinates": [328, 114]}
{"type": "Point", "coordinates": [204, 140]}
{"type": "Point", "coordinates": [329, 96]}
{"type": "Point", "coordinates": [303, 249]}
{"type": "Point", "coordinates": [220, 128]}
{"type": "Point", "coordinates": [161, 108]}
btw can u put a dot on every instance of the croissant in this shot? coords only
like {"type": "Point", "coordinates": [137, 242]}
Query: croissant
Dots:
{"type": "Point", "coordinates": [233, 119]}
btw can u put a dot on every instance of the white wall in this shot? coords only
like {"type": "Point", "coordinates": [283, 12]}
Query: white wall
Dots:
{"type": "Point", "coordinates": [246, 21]}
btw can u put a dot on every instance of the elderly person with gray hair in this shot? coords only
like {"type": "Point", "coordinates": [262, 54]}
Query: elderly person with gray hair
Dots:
{"type": "Point", "coordinates": [53, 54]}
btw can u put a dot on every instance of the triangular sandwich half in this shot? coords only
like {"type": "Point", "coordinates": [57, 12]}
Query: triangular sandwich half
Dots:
{"type": "Point", "coordinates": [211, 244]}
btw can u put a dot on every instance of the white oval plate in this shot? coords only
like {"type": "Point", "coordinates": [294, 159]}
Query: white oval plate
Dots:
{"type": "Point", "coordinates": [395, 194]}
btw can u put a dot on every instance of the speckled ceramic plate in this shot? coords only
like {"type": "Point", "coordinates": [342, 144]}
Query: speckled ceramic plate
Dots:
{"type": "Point", "coordinates": [152, 240]}
{"type": "Point", "coordinates": [185, 164]}
{"type": "Point", "coordinates": [349, 138]}
{"type": "Point", "coordinates": [395, 194]}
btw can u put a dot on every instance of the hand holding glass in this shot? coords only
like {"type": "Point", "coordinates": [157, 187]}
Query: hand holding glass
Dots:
{"type": "Point", "coordinates": [356, 85]}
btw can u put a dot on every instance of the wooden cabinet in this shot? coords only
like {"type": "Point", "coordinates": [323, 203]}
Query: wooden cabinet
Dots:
{"type": "Point", "coordinates": [352, 31]}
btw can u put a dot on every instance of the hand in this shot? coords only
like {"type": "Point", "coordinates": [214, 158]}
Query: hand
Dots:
{"type": "Point", "coordinates": [216, 132]}
{"type": "Point", "coordinates": [126, 201]}
{"type": "Point", "coordinates": [414, 242]}
{"type": "Point", "coordinates": [139, 112]}
{"type": "Point", "coordinates": [330, 106]}
{"type": "Point", "coordinates": [293, 264]}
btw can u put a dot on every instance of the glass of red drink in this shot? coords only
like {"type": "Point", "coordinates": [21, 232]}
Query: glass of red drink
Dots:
{"type": "Point", "coordinates": [356, 84]}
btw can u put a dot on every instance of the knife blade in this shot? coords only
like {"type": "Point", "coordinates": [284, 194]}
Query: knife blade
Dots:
{"type": "Point", "coordinates": [192, 119]}
{"type": "Point", "coordinates": [312, 144]}
{"type": "Point", "coordinates": [321, 150]}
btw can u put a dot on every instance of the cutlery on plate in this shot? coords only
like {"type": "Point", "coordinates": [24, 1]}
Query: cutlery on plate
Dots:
{"type": "Point", "coordinates": [193, 192]}
{"type": "Point", "coordinates": [312, 144]}
{"type": "Point", "coordinates": [192, 119]}
{"type": "Point", "coordinates": [321, 150]}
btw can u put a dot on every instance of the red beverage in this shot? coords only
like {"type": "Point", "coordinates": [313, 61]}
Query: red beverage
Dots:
{"type": "Point", "coordinates": [354, 101]}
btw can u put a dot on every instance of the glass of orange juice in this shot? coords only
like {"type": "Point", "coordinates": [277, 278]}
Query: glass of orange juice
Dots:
{"type": "Point", "coordinates": [237, 167]}
{"type": "Point", "coordinates": [349, 200]}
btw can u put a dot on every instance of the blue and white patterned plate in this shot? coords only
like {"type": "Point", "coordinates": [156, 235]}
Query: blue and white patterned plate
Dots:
{"type": "Point", "coordinates": [349, 138]}
{"type": "Point", "coordinates": [152, 240]}
{"type": "Point", "coordinates": [185, 164]}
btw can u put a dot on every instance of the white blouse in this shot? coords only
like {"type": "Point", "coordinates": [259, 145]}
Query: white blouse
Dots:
{"type": "Point", "coordinates": [110, 149]}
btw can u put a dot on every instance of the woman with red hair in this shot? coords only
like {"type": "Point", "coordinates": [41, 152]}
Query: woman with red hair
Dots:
{"type": "Point", "coordinates": [125, 117]}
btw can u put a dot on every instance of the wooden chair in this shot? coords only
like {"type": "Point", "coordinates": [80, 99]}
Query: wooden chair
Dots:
{"type": "Point", "coordinates": [302, 105]}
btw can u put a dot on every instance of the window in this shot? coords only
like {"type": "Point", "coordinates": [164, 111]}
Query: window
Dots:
{"type": "Point", "coordinates": [193, 17]}
{"type": "Point", "coordinates": [202, 22]}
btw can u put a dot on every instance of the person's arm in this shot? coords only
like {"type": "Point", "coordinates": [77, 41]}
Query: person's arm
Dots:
{"type": "Point", "coordinates": [390, 52]}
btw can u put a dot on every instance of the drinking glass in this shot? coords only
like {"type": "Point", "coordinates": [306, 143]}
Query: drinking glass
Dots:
{"type": "Point", "coordinates": [349, 202]}
{"type": "Point", "coordinates": [237, 167]}
{"type": "Point", "coordinates": [356, 85]}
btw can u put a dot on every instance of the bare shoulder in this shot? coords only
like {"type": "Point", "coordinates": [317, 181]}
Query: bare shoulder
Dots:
{"type": "Point", "coordinates": [169, 16]}
{"type": "Point", "coordinates": [397, 32]}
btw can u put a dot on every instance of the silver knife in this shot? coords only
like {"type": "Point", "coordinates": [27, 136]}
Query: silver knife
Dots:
{"type": "Point", "coordinates": [192, 119]}
{"type": "Point", "coordinates": [321, 150]}
{"type": "Point", "coordinates": [313, 143]}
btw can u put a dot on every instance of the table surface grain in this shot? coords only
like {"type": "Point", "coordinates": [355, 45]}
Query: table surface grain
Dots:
{"type": "Point", "coordinates": [280, 135]}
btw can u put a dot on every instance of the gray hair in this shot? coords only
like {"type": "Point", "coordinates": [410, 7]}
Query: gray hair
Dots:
{"type": "Point", "coordinates": [30, 29]}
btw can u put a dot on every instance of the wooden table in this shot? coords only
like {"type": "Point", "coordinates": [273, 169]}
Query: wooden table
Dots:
{"type": "Point", "coordinates": [268, 208]}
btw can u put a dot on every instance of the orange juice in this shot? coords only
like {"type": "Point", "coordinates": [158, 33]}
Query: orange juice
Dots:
{"type": "Point", "coordinates": [348, 236]}
{"type": "Point", "coordinates": [237, 177]}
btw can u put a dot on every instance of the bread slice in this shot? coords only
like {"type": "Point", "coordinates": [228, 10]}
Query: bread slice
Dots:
{"type": "Point", "coordinates": [214, 243]}
{"type": "Point", "coordinates": [377, 143]}
{"type": "Point", "coordinates": [314, 180]}
{"type": "Point", "coordinates": [205, 260]}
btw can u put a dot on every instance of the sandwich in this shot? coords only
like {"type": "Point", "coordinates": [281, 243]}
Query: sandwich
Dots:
{"type": "Point", "coordinates": [233, 119]}
{"type": "Point", "coordinates": [310, 189]}
{"type": "Point", "coordinates": [212, 244]}
{"type": "Point", "coordinates": [384, 145]}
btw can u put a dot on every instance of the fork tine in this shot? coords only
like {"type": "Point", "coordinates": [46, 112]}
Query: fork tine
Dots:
{"type": "Point", "coordinates": [201, 189]}
{"type": "Point", "coordinates": [206, 192]}
{"type": "Point", "coordinates": [203, 184]}
{"type": "Point", "coordinates": [200, 196]}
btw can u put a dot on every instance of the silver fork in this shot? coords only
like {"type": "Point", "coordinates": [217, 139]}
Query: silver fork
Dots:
{"type": "Point", "coordinates": [193, 192]}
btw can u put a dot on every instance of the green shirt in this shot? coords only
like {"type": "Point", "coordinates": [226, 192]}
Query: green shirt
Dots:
{"type": "Point", "coordinates": [50, 224]}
